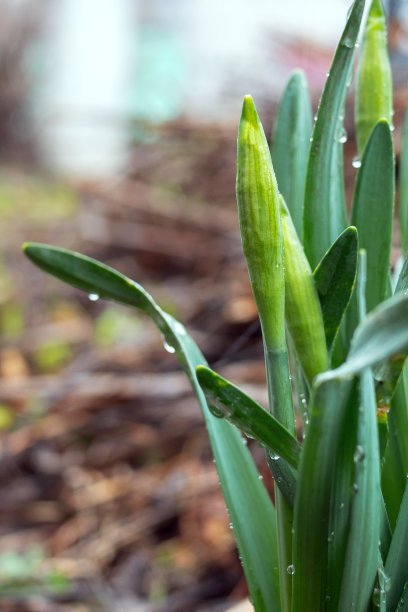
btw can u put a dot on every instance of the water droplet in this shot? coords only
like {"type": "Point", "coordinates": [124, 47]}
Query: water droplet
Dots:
{"type": "Point", "coordinates": [348, 42]}
{"type": "Point", "coordinates": [341, 505]}
{"type": "Point", "coordinates": [343, 136]}
{"type": "Point", "coordinates": [392, 127]}
{"type": "Point", "coordinates": [290, 569]}
{"type": "Point", "coordinates": [274, 456]}
{"type": "Point", "coordinates": [244, 441]}
{"type": "Point", "coordinates": [218, 409]}
{"type": "Point", "coordinates": [315, 118]}
{"type": "Point", "coordinates": [357, 45]}
{"type": "Point", "coordinates": [330, 536]}
{"type": "Point", "coordinates": [168, 347]}
{"type": "Point", "coordinates": [328, 74]}
{"type": "Point", "coordinates": [355, 488]}
{"type": "Point", "coordinates": [327, 598]}
{"type": "Point", "coordinates": [384, 580]}
{"type": "Point", "coordinates": [311, 138]}
{"type": "Point", "coordinates": [260, 476]}
{"type": "Point", "coordinates": [230, 526]}
{"type": "Point", "coordinates": [356, 163]}
{"type": "Point", "coordinates": [359, 454]}
{"type": "Point", "coordinates": [94, 297]}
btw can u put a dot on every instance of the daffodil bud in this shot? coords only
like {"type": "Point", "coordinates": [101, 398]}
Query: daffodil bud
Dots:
{"type": "Point", "coordinates": [302, 307]}
{"type": "Point", "coordinates": [374, 80]}
{"type": "Point", "coordinates": [260, 224]}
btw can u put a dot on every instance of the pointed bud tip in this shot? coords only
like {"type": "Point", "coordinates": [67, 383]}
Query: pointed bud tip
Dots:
{"type": "Point", "coordinates": [248, 110]}
{"type": "Point", "coordinates": [377, 9]}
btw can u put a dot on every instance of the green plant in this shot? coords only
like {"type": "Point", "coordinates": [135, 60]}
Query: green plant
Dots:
{"type": "Point", "coordinates": [337, 536]}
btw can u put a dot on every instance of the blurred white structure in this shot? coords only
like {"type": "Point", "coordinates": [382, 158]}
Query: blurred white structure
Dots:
{"type": "Point", "coordinates": [83, 111]}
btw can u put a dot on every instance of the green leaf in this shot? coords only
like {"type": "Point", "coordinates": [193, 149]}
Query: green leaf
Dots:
{"type": "Point", "coordinates": [251, 511]}
{"type": "Point", "coordinates": [334, 278]}
{"type": "Point", "coordinates": [403, 187]}
{"type": "Point", "coordinates": [388, 374]}
{"type": "Point", "coordinates": [285, 480]}
{"type": "Point", "coordinates": [403, 602]}
{"type": "Point", "coordinates": [382, 334]}
{"type": "Point", "coordinates": [372, 214]}
{"type": "Point", "coordinates": [291, 144]}
{"type": "Point", "coordinates": [325, 215]}
{"type": "Point", "coordinates": [227, 401]}
{"type": "Point", "coordinates": [395, 466]}
{"type": "Point", "coordinates": [396, 567]}
{"type": "Point", "coordinates": [364, 530]}
{"type": "Point", "coordinates": [345, 481]}
{"type": "Point", "coordinates": [331, 404]}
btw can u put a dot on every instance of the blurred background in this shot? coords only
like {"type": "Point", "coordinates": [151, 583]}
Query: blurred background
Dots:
{"type": "Point", "coordinates": [118, 123]}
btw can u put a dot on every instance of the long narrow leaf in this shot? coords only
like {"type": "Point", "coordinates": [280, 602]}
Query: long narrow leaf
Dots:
{"type": "Point", "coordinates": [225, 400]}
{"type": "Point", "coordinates": [334, 278]}
{"type": "Point", "coordinates": [403, 187]}
{"type": "Point", "coordinates": [325, 218]}
{"type": "Point", "coordinates": [364, 532]}
{"type": "Point", "coordinates": [396, 566]}
{"type": "Point", "coordinates": [388, 374]}
{"type": "Point", "coordinates": [395, 465]}
{"type": "Point", "coordinates": [373, 214]}
{"type": "Point", "coordinates": [329, 407]}
{"type": "Point", "coordinates": [251, 511]}
{"type": "Point", "coordinates": [291, 143]}
{"type": "Point", "coordinates": [382, 334]}
{"type": "Point", "coordinates": [403, 602]}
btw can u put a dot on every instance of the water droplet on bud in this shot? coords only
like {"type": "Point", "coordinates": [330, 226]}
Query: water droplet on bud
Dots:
{"type": "Point", "coordinates": [93, 297]}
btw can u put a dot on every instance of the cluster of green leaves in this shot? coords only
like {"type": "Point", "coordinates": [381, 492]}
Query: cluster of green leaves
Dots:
{"type": "Point", "coordinates": [337, 536]}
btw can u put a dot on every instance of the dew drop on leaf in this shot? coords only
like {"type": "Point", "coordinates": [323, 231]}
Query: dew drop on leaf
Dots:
{"type": "Point", "coordinates": [290, 569]}
{"type": "Point", "coordinates": [93, 297]}
{"type": "Point", "coordinates": [167, 346]}
{"type": "Point", "coordinates": [343, 136]}
{"type": "Point", "coordinates": [359, 454]}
